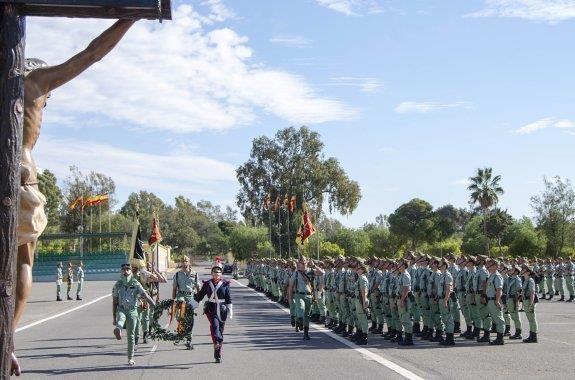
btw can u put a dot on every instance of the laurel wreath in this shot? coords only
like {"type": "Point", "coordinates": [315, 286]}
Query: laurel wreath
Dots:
{"type": "Point", "coordinates": [160, 333]}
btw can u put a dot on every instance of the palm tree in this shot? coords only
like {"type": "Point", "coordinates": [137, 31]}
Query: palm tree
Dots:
{"type": "Point", "coordinates": [485, 191]}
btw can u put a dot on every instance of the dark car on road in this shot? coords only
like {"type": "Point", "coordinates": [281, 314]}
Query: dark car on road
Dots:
{"type": "Point", "coordinates": [228, 268]}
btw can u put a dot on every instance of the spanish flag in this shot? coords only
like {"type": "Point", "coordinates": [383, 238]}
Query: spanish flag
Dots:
{"type": "Point", "coordinates": [77, 201]}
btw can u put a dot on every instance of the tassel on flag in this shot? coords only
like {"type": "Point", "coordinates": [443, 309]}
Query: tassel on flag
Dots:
{"type": "Point", "coordinates": [267, 201]}
{"type": "Point", "coordinates": [292, 204]}
{"type": "Point", "coordinates": [156, 236]}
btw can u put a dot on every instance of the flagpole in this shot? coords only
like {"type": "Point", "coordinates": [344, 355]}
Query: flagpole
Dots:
{"type": "Point", "coordinates": [288, 232]}
{"type": "Point", "coordinates": [280, 228]}
{"type": "Point", "coordinates": [82, 227]}
{"type": "Point", "coordinates": [100, 217]}
{"type": "Point", "coordinates": [91, 229]}
{"type": "Point", "coordinates": [317, 221]}
{"type": "Point", "coordinates": [110, 225]}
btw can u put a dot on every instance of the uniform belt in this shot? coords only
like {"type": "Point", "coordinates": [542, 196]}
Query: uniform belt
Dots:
{"type": "Point", "coordinates": [304, 293]}
{"type": "Point", "coordinates": [490, 298]}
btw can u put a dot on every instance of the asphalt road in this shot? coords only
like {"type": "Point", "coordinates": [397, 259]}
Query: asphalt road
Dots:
{"type": "Point", "coordinates": [259, 342]}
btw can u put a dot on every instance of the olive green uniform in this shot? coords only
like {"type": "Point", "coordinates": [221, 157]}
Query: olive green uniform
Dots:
{"type": "Point", "coordinates": [494, 282]}
{"type": "Point", "coordinates": [127, 294]}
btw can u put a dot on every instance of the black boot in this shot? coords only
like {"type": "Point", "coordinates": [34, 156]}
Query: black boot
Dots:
{"type": "Point", "coordinates": [342, 328]}
{"type": "Point", "coordinates": [218, 353]}
{"type": "Point", "coordinates": [362, 339]}
{"type": "Point", "coordinates": [78, 298]}
{"type": "Point", "coordinates": [416, 329]}
{"type": "Point", "coordinates": [517, 334]}
{"type": "Point", "coordinates": [550, 297]}
{"type": "Point", "coordinates": [438, 336]}
{"type": "Point", "coordinates": [355, 336]}
{"type": "Point", "coordinates": [484, 338]}
{"type": "Point", "coordinates": [378, 330]}
{"type": "Point", "coordinates": [145, 340]}
{"type": "Point", "coordinates": [408, 341]}
{"type": "Point", "coordinates": [189, 345]}
{"type": "Point", "coordinates": [448, 340]}
{"type": "Point", "coordinates": [292, 321]}
{"type": "Point", "coordinates": [306, 333]}
{"type": "Point", "coordinates": [422, 333]}
{"type": "Point", "coordinates": [58, 298]}
{"type": "Point", "coordinates": [571, 297]}
{"type": "Point", "coordinates": [498, 341]}
{"type": "Point", "coordinates": [398, 337]}
{"type": "Point", "coordinates": [476, 333]}
{"type": "Point", "coordinates": [467, 334]}
{"type": "Point", "coordinates": [493, 328]}
{"type": "Point", "coordinates": [562, 298]}
{"type": "Point", "coordinates": [507, 331]}
{"type": "Point", "coordinates": [532, 338]}
{"type": "Point", "coordinates": [457, 327]}
{"type": "Point", "coordinates": [429, 335]}
{"type": "Point", "coordinates": [373, 326]}
{"type": "Point", "coordinates": [346, 331]}
{"type": "Point", "coordinates": [322, 320]}
{"type": "Point", "coordinates": [391, 335]}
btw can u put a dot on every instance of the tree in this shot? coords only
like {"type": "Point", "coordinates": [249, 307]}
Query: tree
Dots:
{"type": "Point", "coordinates": [329, 249]}
{"type": "Point", "coordinates": [497, 223]}
{"type": "Point", "coordinates": [244, 241]}
{"type": "Point", "coordinates": [48, 186]}
{"type": "Point", "coordinates": [474, 237]}
{"type": "Point", "coordinates": [447, 218]}
{"type": "Point", "coordinates": [414, 221]}
{"type": "Point", "coordinates": [555, 212]}
{"type": "Point", "coordinates": [353, 242]}
{"type": "Point", "coordinates": [79, 185]}
{"type": "Point", "coordinates": [292, 164]}
{"type": "Point", "coordinates": [524, 240]}
{"type": "Point", "coordinates": [381, 244]}
{"type": "Point", "coordinates": [485, 191]}
{"type": "Point", "coordinates": [145, 204]}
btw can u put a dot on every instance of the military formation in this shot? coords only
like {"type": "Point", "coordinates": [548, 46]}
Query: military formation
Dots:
{"type": "Point", "coordinates": [70, 280]}
{"type": "Point", "coordinates": [422, 296]}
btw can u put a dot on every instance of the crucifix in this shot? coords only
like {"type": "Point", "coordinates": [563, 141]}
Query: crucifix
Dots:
{"type": "Point", "coordinates": [25, 86]}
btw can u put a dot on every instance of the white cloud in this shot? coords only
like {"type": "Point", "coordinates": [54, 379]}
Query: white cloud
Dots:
{"type": "Point", "coordinates": [178, 172]}
{"type": "Point", "coordinates": [548, 122]}
{"type": "Point", "coordinates": [369, 85]}
{"type": "Point", "coordinates": [351, 7]}
{"type": "Point", "coordinates": [552, 11]}
{"type": "Point", "coordinates": [292, 41]}
{"type": "Point", "coordinates": [460, 182]}
{"type": "Point", "coordinates": [425, 107]}
{"type": "Point", "coordinates": [178, 76]}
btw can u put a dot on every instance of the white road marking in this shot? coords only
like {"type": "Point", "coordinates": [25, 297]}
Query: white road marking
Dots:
{"type": "Point", "coordinates": [367, 354]}
{"type": "Point", "coordinates": [61, 314]}
{"type": "Point", "coordinates": [557, 341]}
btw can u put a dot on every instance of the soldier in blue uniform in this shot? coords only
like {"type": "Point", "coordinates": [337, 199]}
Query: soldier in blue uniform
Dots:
{"type": "Point", "coordinates": [218, 307]}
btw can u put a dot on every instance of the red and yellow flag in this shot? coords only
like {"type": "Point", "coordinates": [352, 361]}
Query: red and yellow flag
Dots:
{"type": "Point", "coordinates": [156, 236]}
{"type": "Point", "coordinates": [77, 202]}
{"type": "Point", "coordinates": [95, 200]}
{"type": "Point", "coordinates": [292, 204]}
{"type": "Point", "coordinates": [306, 229]}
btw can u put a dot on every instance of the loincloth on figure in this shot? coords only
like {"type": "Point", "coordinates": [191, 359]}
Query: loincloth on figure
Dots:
{"type": "Point", "coordinates": [31, 217]}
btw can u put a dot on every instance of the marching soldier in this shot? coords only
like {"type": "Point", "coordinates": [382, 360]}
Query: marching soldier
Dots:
{"type": "Point", "coordinates": [125, 295]}
{"type": "Point", "coordinates": [59, 278]}
{"type": "Point", "coordinates": [404, 304]}
{"type": "Point", "coordinates": [70, 279]}
{"type": "Point", "coordinates": [570, 278]}
{"type": "Point", "coordinates": [493, 292]}
{"type": "Point", "coordinates": [80, 277]}
{"type": "Point", "coordinates": [514, 289]}
{"type": "Point", "coordinates": [529, 301]}
{"type": "Point", "coordinates": [480, 288]}
{"type": "Point", "coordinates": [446, 303]}
{"type": "Point", "coordinates": [185, 285]}
{"type": "Point", "coordinates": [361, 303]}
{"type": "Point", "coordinates": [150, 279]}
{"type": "Point", "coordinates": [300, 294]}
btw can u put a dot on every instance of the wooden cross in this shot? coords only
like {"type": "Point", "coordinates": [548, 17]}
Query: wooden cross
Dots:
{"type": "Point", "coordinates": [12, 40]}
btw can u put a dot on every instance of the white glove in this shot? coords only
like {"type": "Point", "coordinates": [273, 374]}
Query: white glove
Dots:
{"type": "Point", "coordinates": [230, 311]}
{"type": "Point", "coordinates": [193, 304]}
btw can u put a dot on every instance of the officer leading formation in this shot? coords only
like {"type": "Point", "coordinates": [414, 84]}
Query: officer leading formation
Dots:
{"type": "Point", "coordinates": [420, 296]}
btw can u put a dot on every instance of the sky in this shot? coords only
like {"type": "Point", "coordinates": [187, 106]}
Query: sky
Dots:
{"type": "Point", "coordinates": [411, 96]}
